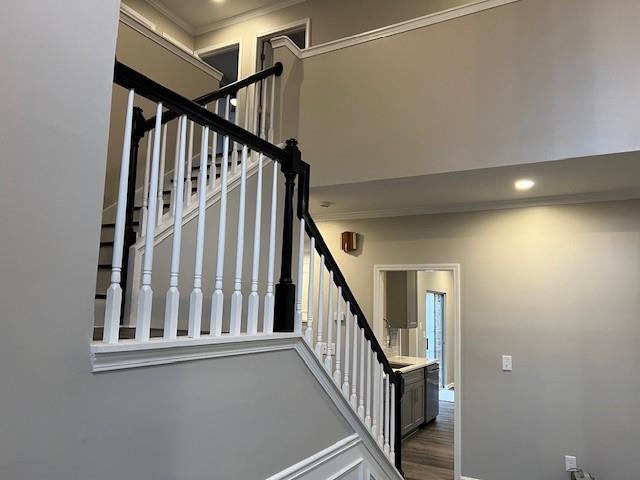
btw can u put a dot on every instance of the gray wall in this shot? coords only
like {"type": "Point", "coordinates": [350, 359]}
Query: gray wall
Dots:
{"type": "Point", "coordinates": [532, 81]}
{"type": "Point", "coordinates": [559, 289]}
{"type": "Point", "coordinates": [57, 420]}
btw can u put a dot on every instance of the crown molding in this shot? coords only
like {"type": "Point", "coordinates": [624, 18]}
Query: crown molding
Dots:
{"type": "Point", "coordinates": [171, 15]}
{"type": "Point", "coordinates": [390, 30]}
{"type": "Point", "coordinates": [243, 17]}
{"type": "Point", "coordinates": [480, 206]}
{"type": "Point", "coordinates": [140, 24]}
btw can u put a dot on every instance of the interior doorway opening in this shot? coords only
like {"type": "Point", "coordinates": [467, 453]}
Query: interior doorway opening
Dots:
{"type": "Point", "coordinates": [416, 316]}
{"type": "Point", "coordinates": [298, 32]}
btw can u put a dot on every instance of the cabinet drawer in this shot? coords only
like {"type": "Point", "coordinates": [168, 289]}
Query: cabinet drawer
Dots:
{"type": "Point", "coordinates": [413, 377]}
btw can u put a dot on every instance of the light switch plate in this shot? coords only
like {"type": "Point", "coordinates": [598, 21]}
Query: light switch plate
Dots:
{"type": "Point", "coordinates": [570, 463]}
{"type": "Point", "coordinates": [507, 363]}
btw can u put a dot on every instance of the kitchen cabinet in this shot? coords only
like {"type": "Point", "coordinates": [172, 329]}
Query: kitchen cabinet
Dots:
{"type": "Point", "coordinates": [402, 299]}
{"type": "Point", "coordinates": [413, 401]}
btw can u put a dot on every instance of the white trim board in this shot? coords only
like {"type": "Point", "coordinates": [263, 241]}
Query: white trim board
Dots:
{"type": "Point", "coordinates": [140, 24]}
{"type": "Point", "coordinates": [286, 28]}
{"type": "Point", "coordinates": [378, 327]}
{"type": "Point", "coordinates": [310, 463]}
{"type": "Point", "coordinates": [394, 29]}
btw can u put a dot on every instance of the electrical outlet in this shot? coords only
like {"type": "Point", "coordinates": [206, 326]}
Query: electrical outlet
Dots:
{"type": "Point", "coordinates": [507, 363]}
{"type": "Point", "coordinates": [570, 463]}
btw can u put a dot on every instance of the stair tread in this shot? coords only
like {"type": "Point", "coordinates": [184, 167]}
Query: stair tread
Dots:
{"type": "Point", "coordinates": [101, 296]}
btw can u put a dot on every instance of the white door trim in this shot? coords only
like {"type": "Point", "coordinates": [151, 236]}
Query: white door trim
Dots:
{"type": "Point", "coordinates": [378, 331]}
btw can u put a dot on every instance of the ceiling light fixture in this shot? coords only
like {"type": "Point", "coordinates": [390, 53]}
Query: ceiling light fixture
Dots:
{"type": "Point", "coordinates": [218, 1]}
{"type": "Point", "coordinates": [524, 184]}
{"type": "Point", "coordinates": [234, 102]}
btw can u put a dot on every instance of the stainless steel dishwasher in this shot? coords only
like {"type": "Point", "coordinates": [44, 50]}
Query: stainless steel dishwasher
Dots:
{"type": "Point", "coordinates": [432, 374]}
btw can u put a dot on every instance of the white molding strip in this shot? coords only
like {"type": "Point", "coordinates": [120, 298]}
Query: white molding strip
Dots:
{"type": "Point", "coordinates": [137, 16]}
{"type": "Point", "coordinates": [468, 478]}
{"type": "Point", "coordinates": [171, 15]}
{"type": "Point", "coordinates": [177, 43]}
{"type": "Point", "coordinates": [130, 18]}
{"type": "Point", "coordinates": [622, 195]}
{"type": "Point", "coordinates": [130, 354]}
{"type": "Point", "coordinates": [243, 17]}
{"type": "Point", "coordinates": [314, 461]}
{"type": "Point", "coordinates": [390, 30]}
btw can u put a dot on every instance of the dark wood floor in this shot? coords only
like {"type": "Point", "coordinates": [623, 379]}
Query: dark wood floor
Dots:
{"type": "Point", "coordinates": [428, 454]}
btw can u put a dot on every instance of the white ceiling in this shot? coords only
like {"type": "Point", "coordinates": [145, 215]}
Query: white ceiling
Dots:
{"type": "Point", "coordinates": [199, 15]}
{"type": "Point", "coordinates": [605, 177]}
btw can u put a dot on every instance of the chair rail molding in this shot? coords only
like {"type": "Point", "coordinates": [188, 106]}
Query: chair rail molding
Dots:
{"type": "Point", "coordinates": [390, 30]}
{"type": "Point", "coordinates": [142, 25]}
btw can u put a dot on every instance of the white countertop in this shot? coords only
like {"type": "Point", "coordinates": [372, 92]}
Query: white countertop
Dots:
{"type": "Point", "coordinates": [415, 363]}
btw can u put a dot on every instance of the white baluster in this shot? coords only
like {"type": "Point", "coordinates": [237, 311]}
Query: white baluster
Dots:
{"type": "Point", "coordinates": [336, 374]}
{"type": "Point", "coordinates": [236, 297]}
{"type": "Point", "coordinates": [347, 346]}
{"type": "Point", "coordinates": [160, 189]}
{"type": "Point", "coordinates": [367, 417]}
{"type": "Point", "coordinates": [392, 434]}
{"type": "Point", "coordinates": [387, 409]}
{"type": "Point", "coordinates": [173, 295]}
{"type": "Point", "coordinates": [269, 298]}
{"type": "Point", "coordinates": [354, 365]}
{"type": "Point", "coordinates": [195, 301]}
{"type": "Point", "coordinates": [320, 316]}
{"type": "Point", "coordinates": [263, 110]}
{"type": "Point", "coordinates": [255, 106]}
{"type": "Point", "coordinates": [144, 211]}
{"type": "Point", "coordinates": [381, 418]}
{"type": "Point", "coordinates": [298, 311]}
{"type": "Point", "coordinates": [375, 379]}
{"type": "Point", "coordinates": [328, 360]}
{"type": "Point", "coordinates": [217, 298]}
{"type": "Point", "coordinates": [361, 376]}
{"type": "Point", "coordinates": [145, 295]}
{"type": "Point", "coordinates": [254, 299]}
{"type": "Point", "coordinates": [114, 292]}
{"type": "Point", "coordinates": [308, 334]}
{"type": "Point", "coordinates": [214, 151]}
{"type": "Point", "coordinates": [188, 187]}
{"type": "Point", "coordinates": [174, 184]}
{"type": "Point", "coordinates": [271, 107]}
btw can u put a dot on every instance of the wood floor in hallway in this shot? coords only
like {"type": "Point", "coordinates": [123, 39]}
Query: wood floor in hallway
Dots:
{"type": "Point", "coordinates": [428, 454]}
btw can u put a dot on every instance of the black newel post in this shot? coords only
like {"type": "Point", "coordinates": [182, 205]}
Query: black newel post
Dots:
{"type": "Point", "coordinates": [284, 310]}
{"type": "Point", "coordinates": [137, 132]}
{"type": "Point", "coordinates": [399, 389]}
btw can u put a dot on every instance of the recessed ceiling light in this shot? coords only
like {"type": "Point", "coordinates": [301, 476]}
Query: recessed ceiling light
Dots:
{"type": "Point", "coordinates": [217, 1]}
{"type": "Point", "coordinates": [524, 184]}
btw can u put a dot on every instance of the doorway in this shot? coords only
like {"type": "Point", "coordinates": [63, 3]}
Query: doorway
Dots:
{"type": "Point", "coordinates": [433, 336]}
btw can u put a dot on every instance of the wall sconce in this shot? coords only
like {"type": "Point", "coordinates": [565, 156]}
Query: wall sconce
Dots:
{"type": "Point", "coordinates": [349, 241]}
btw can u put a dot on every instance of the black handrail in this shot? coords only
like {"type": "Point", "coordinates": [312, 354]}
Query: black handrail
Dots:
{"type": "Point", "coordinates": [230, 89]}
{"type": "Point", "coordinates": [128, 78]}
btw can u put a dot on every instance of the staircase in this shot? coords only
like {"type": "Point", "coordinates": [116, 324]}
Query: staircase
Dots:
{"type": "Point", "coordinates": [268, 227]}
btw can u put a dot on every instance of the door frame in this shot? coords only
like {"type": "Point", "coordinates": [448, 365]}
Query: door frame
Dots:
{"type": "Point", "coordinates": [378, 329]}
